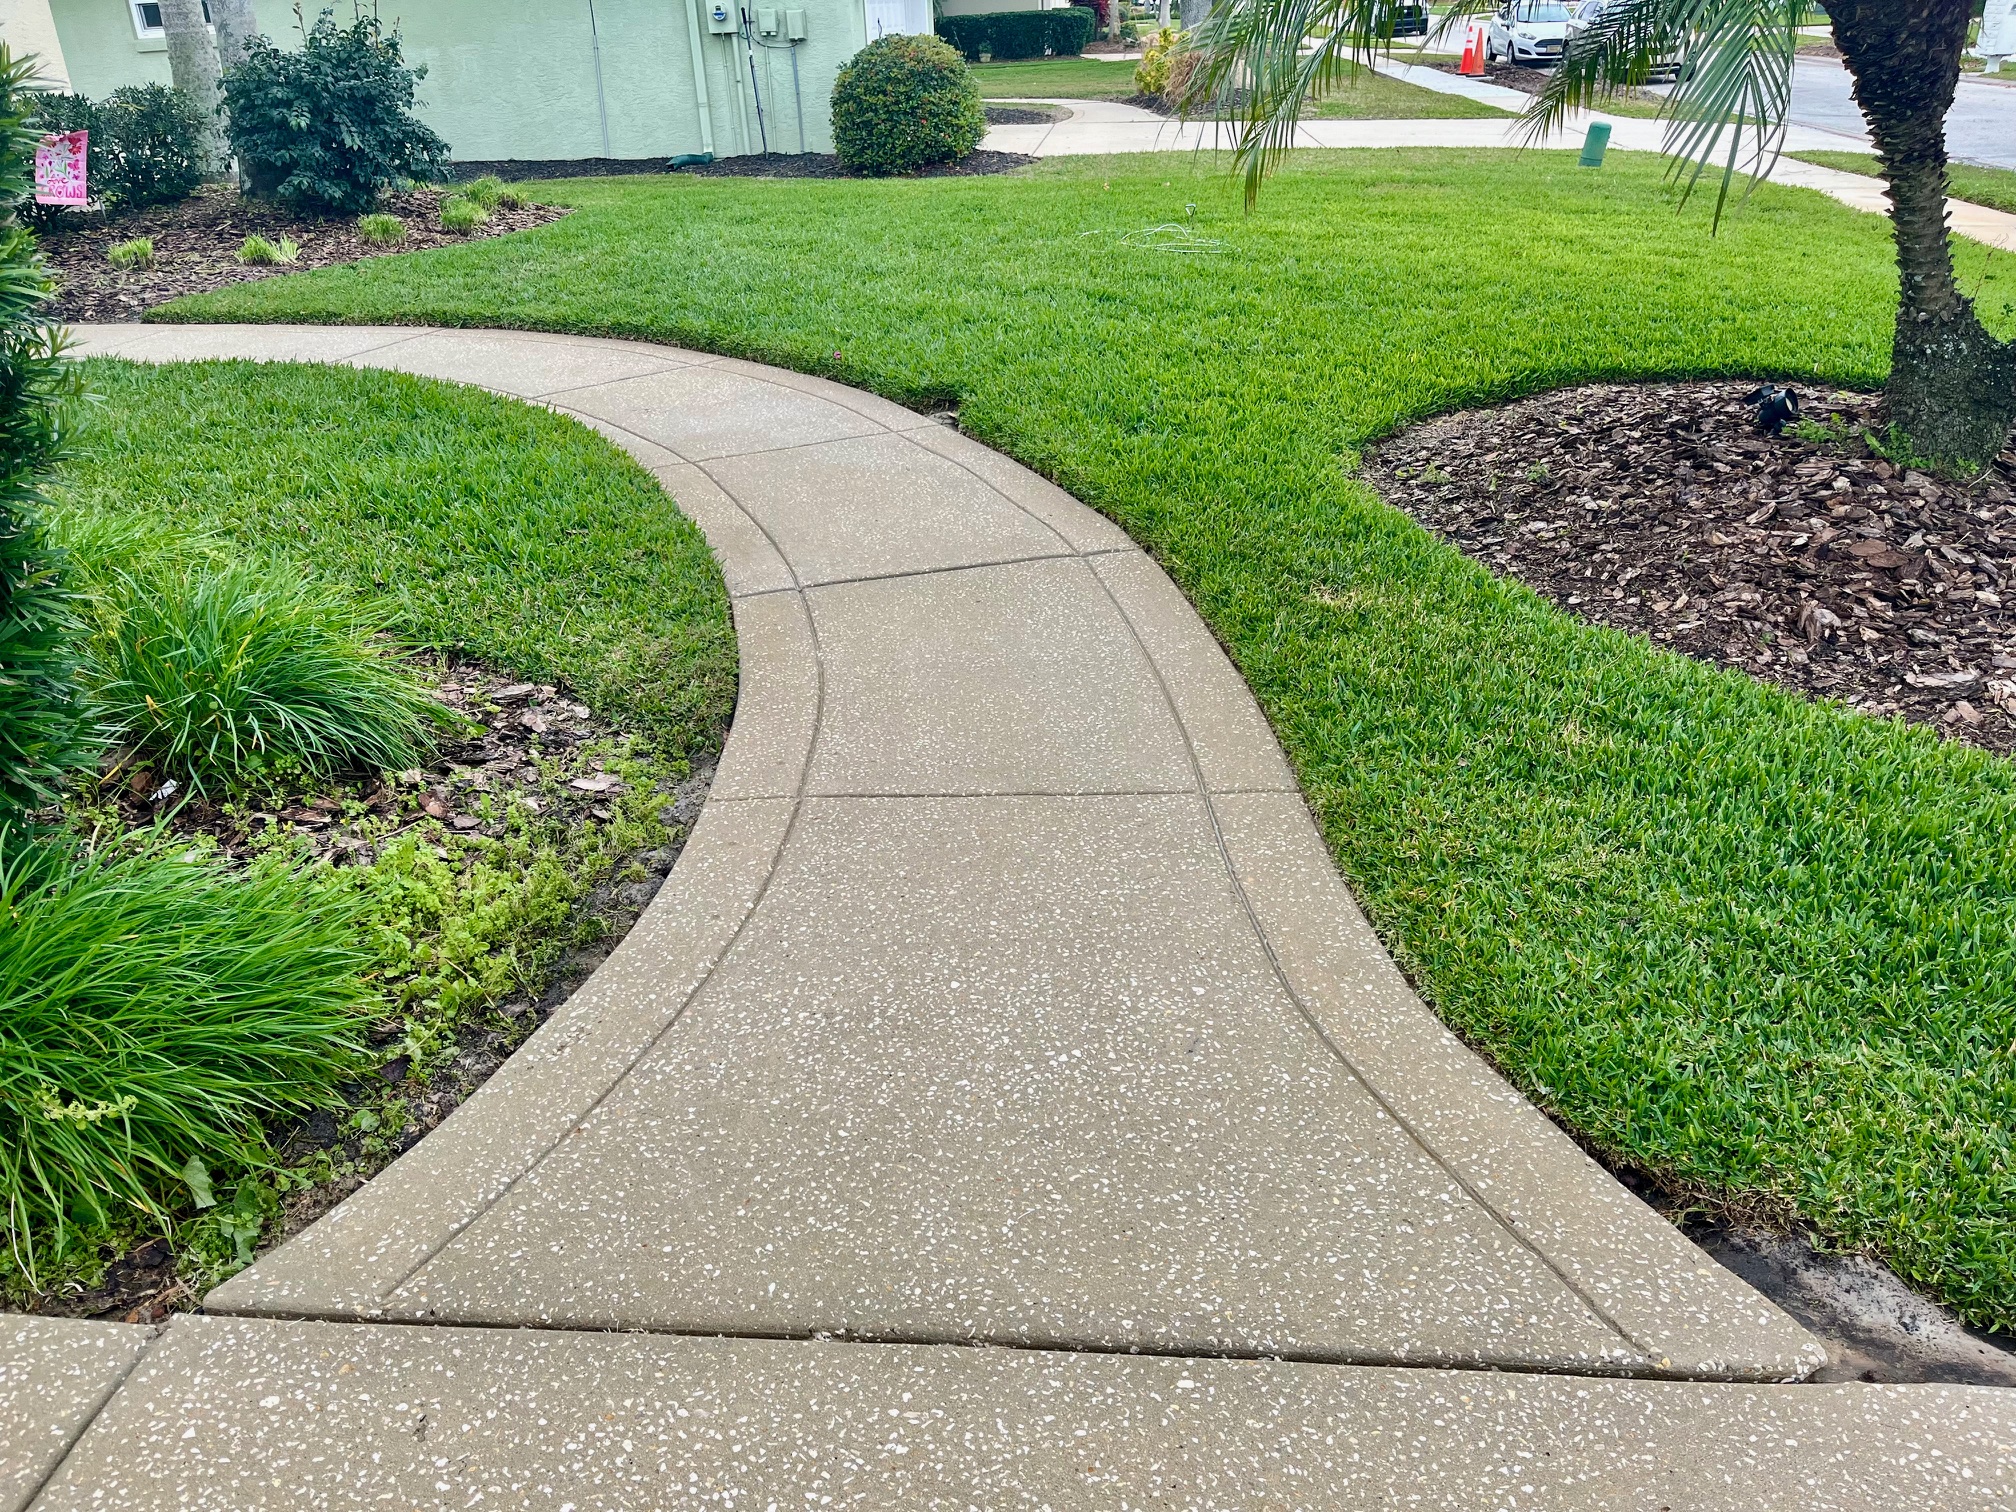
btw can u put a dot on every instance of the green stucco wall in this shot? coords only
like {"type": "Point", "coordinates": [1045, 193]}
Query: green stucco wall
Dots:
{"type": "Point", "coordinates": [101, 50]}
{"type": "Point", "coordinates": [516, 78]}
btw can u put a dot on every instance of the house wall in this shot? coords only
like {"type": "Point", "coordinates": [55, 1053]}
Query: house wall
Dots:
{"type": "Point", "coordinates": [27, 27]}
{"type": "Point", "coordinates": [517, 78]}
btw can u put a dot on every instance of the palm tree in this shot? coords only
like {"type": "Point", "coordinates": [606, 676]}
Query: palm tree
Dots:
{"type": "Point", "coordinates": [192, 64]}
{"type": "Point", "coordinates": [1952, 389]}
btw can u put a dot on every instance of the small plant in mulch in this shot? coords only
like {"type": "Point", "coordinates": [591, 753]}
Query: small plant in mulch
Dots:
{"type": "Point", "coordinates": [462, 215]}
{"type": "Point", "coordinates": [1810, 558]}
{"type": "Point", "coordinates": [257, 252]}
{"type": "Point", "coordinates": [381, 230]}
{"type": "Point", "coordinates": [128, 255]}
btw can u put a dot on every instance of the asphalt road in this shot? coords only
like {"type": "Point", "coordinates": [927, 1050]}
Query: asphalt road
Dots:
{"type": "Point", "coordinates": [1981, 127]}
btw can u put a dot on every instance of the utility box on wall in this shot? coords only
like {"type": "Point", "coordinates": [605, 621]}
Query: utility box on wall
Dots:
{"type": "Point", "coordinates": [722, 18]}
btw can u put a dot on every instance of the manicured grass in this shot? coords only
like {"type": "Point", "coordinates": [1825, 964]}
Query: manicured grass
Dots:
{"type": "Point", "coordinates": [475, 523]}
{"type": "Point", "coordinates": [1056, 79]}
{"type": "Point", "coordinates": [1993, 187]}
{"type": "Point", "coordinates": [1367, 96]}
{"type": "Point", "coordinates": [1763, 945]}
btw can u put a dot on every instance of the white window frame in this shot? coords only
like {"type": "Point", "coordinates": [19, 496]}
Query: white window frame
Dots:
{"type": "Point", "coordinates": [140, 27]}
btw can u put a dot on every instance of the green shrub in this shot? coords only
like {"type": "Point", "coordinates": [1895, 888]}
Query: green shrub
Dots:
{"type": "Point", "coordinates": [462, 215]}
{"type": "Point", "coordinates": [153, 1008]}
{"type": "Point", "coordinates": [227, 675]}
{"type": "Point", "coordinates": [1070, 29]}
{"type": "Point", "coordinates": [487, 191]}
{"type": "Point", "coordinates": [902, 103]}
{"type": "Point", "coordinates": [330, 126]}
{"type": "Point", "coordinates": [1018, 34]}
{"type": "Point", "coordinates": [381, 230]}
{"type": "Point", "coordinates": [970, 34]}
{"type": "Point", "coordinates": [146, 146]}
{"type": "Point", "coordinates": [257, 252]}
{"type": "Point", "coordinates": [42, 731]}
{"type": "Point", "coordinates": [1151, 74]}
{"type": "Point", "coordinates": [137, 253]}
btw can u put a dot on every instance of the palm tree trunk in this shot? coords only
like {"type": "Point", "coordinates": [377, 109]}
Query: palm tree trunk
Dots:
{"type": "Point", "coordinates": [1952, 384]}
{"type": "Point", "coordinates": [192, 64]}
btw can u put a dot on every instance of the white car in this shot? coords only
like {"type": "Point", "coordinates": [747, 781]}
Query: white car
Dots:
{"type": "Point", "coordinates": [1527, 31]}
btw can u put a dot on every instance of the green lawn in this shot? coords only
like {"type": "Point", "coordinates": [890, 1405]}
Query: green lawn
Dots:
{"type": "Point", "coordinates": [1763, 945]}
{"type": "Point", "coordinates": [1368, 96]}
{"type": "Point", "coordinates": [485, 525]}
{"type": "Point", "coordinates": [1993, 187]}
{"type": "Point", "coordinates": [1056, 79]}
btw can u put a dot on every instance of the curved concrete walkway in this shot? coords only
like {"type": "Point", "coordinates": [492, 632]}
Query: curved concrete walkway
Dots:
{"type": "Point", "coordinates": [1006, 995]}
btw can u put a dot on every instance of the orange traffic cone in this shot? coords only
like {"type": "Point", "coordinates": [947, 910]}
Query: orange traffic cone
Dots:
{"type": "Point", "coordinates": [1473, 53]}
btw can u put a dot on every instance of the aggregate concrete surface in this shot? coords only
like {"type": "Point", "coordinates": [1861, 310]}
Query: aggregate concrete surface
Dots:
{"type": "Point", "coordinates": [1005, 995]}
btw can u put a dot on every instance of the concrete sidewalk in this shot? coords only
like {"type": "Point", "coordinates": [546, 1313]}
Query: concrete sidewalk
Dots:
{"type": "Point", "coordinates": [1005, 995]}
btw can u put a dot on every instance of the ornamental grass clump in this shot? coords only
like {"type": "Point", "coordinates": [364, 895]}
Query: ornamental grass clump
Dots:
{"type": "Point", "coordinates": [257, 252]}
{"type": "Point", "coordinates": [228, 677]}
{"type": "Point", "coordinates": [154, 1009]}
{"type": "Point", "coordinates": [127, 255]}
{"type": "Point", "coordinates": [381, 230]}
{"type": "Point", "coordinates": [487, 191]}
{"type": "Point", "coordinates": [904, 103]}
{"type": "Point", "coordinates": [462, 215]}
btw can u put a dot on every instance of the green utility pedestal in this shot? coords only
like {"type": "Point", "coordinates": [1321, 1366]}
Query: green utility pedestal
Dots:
{"type": "Point", "coordinates": [1594, 144]}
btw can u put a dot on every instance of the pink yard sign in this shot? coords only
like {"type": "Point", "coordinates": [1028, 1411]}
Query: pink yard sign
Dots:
{"type": "Point", "coordinates": [59, 169]}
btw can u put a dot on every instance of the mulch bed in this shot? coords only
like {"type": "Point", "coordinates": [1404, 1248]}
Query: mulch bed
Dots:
{"type": "Point", "coordinates": [1812, 563]}
{"type": "Point", "coordinates": [530, 742]}
{"type": "Point", "coordinates": [196, 246]}
{"type": "Point", "coordinates": [1021, 115]}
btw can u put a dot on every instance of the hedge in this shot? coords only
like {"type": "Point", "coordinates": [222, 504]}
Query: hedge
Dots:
{"type": "Point", "coordinates": [1020, 34]}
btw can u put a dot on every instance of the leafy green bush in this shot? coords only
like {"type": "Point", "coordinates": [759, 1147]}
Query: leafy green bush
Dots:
{"type": "Point", "coordinates": [902, 103]}
{"type": "Point", "coordinates": [1151, 74]}
{"type": "Point", "coordinates": [136, 253]}
{"type": "Point", "coordinates": [462, 215]}
{"type": "Point", "coordinates": [257, 252]}
{"type": "Point", "coordinates": [329, 126]}
{"type": "Point", "coordinates": [1018, 34]}
{"type": "Point", "coordinates": [42, 732]}
{"type": "Point", "coordinates": [381, 230]}
{"type": "Point", "coordinates": [1070, 29]}
{"type": "Point", "coordinates": [152, 1009]}
{"type": "Point", "coordinates": [225, 675]}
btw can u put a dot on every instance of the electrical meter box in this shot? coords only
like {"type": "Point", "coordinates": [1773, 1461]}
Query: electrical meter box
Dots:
{"type": "Point", "coordinates": [794, 26]}
{"type": "Point", "coordinates": [721, 16]}
{"type": "Point", "coordinates": [766, 22]}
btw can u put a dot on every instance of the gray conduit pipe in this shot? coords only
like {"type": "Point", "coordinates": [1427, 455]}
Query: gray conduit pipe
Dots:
{"type": "Point", "coordinates": [601, 99]}
{"type": "Point", "coordinates": [700, 76]}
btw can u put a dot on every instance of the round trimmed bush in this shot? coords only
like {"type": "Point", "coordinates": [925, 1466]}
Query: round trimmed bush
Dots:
{"type": "Point", "coordinates": [903, 103]}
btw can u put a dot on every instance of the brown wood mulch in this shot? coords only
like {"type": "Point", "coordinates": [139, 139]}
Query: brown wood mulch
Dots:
{"type": "Point", "coordinates": [196, 246]}
{"type": "Point", "coordinates": [1813, 563]}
